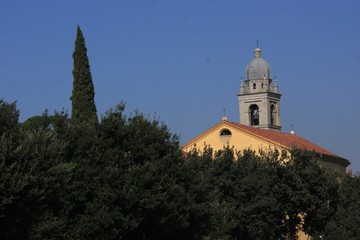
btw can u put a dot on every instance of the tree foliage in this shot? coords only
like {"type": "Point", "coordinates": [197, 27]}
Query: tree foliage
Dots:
{"type": "Point", "coordinates": [83, 103]}
{"type": "Point", "coordinates": [58, 122]}
{"type": "Point", "coordinates": [128, 179]}
{"type": "Point", "coordinates": [9, 116]}
{"type": "Point", "coordinates": [345, 223]}
{"type": "Point", "coordinates": [33, 173]}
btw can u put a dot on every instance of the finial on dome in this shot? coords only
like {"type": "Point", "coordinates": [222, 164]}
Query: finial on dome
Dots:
{"type": "Point", "coordinates": [257, 49]}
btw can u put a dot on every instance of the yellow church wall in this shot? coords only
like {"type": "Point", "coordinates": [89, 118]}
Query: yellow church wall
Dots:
{"type": "Point", "coordinates": [333, 165]}
{"type": "Point", "coordinates": [239, 140]}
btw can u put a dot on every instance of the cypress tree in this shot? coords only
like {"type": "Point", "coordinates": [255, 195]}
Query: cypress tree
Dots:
{"type": "Point", "coordinates": [83, 103]}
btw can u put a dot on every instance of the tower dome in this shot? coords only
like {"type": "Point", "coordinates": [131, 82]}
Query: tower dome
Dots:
{"type": "Point", "coordinates": [258, 68]}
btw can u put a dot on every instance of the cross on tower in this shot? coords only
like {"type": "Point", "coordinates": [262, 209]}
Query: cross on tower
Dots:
{"type": "Point", "coordinates": [257, 43]}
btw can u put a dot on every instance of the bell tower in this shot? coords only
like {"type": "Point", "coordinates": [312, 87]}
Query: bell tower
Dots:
{"type": "Point", "coordinates": [259, 97]}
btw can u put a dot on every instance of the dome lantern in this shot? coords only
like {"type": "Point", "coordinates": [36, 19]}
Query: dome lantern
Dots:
{"type": "Point", "coordinates": [257, 53]}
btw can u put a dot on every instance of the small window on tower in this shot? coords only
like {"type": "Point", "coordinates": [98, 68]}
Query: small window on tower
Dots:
{"type": "Point", "coordinates": [262, 85]}
{"type": "Point", "coordinates": [254, 86]}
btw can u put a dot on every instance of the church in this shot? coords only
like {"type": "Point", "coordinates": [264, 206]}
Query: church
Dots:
{"type": "Point", "coordinates": [260, 125]}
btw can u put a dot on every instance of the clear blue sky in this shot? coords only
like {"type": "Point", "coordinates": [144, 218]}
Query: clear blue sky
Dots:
{"type": "Point", "coordinates": [183, 60]}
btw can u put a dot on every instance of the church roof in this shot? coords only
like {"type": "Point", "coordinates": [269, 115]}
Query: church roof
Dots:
{"type": "Point", "coordinates": [288, 140]}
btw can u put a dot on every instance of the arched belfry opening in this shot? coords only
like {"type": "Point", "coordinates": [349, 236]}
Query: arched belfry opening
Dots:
{"type": "Point", "coordinates": [254, 115]}
{"type": "Point", "coordinates": [259, 97]}
{"type": "Point", "coordinates": [272, 115]}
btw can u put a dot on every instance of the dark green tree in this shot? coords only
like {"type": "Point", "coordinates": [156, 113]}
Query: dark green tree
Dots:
{"type": "Point", "coordinates": [9, 116]}
{"type": "Point", "coordinates": [128, 179]}
{"type": "Point", "coordinates": [244, 205]}
{"type": "Point", "coordinates": [345, 224]}
{"type": "Point", "coordinates": [126, 183]}
{"type": "Point", "coordinates": [57, 122]}
{"type": "Point", "coordinates": [142, 165]}
{"type": "Point", "coordinates": [310, 194]}
{"type": "Point", "coordinates": [31, 181]}
{"type": "Point", "coordinates": [263, 196]}
{"type": "Point", "coordinates": [83, 103]}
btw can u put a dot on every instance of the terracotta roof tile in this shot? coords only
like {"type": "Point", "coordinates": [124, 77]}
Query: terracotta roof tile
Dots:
{"type": "Point", "coordinates": [286, 139]}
